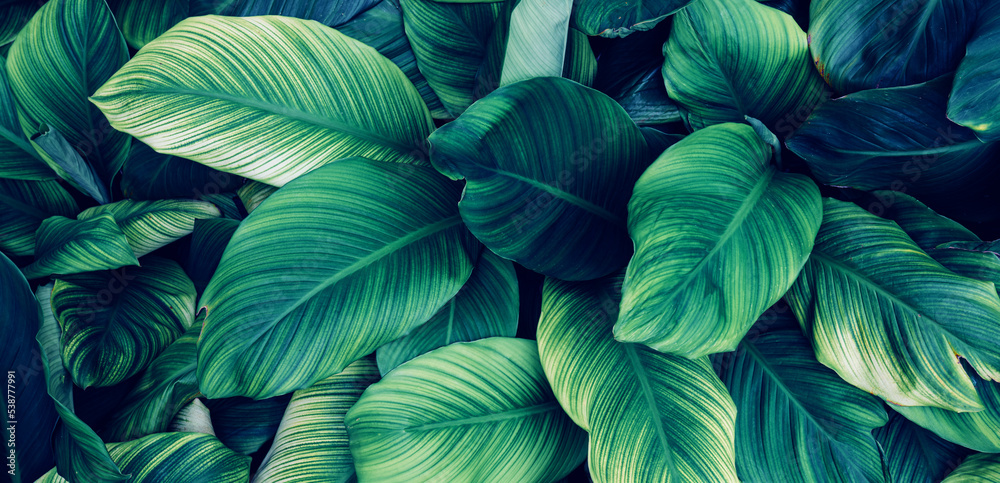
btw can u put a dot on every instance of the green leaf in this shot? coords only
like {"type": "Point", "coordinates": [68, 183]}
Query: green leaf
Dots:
{"type": "Point", "coordinates": [244, 425]}
{"type": "Point", "coordinates": [167, 385]}
{"type": "Point", "coordinates": [888, 43]}
{"type": "Point", "coordinates": [149, 225]}
{"type": "Point", "coordinates": [312, 442]}
{"type": "Point", "coordinates": [894, 138]}
{"type": "Point", "coordinates": [537, 40]}
{"type": "Point", "coordinates": [977, 468]}
{"type": "Point", "coordinates": [651, 416]}
{"type": "Point", "coordinates": [580, 64]}
{"type": "Point", "coordinates": [473, 411]}
{"type": "Point", "coordinates": [891, 320]}
{"type": "Point", "coordinates": [208, 242]}
{"type": "Point", "coordinates": [976, 430]}
{"type": "Point", "coordinates": [618, 19]}
{"type": "Point", "coordinates": [193, 418]}
{"type": "Point", "coordinates": [331, 14]}
{"type": "Point", "coordinates": [797, 421]}
{"type": "Point", "coordinates": [149, 175]}
{"type": "Point", "coordinates": [80, 453]}
{"type": "Point", "coordinates": [70, 165]}
{"type": "Point", "coordinates": [18, 159]}
{"type": "Point", "coordinates": [629, 71]}
{"type": "Point", "coordinates": [453, 43]}
{"type": "Point", "coordinates": [116, 322]}
{"type": "Point", "coordinates": [356, 103]}
{"type": "Point", "coordinates": [545, 188]}
{"type": "Point", "coordinates": [973, 102]}
{"type": "Point", "coordinates": [721, 67]}
{"type": "Point", "coordinates": [487, 306]}
{"type": "Point", "coordinates": [30, 421]}
{"type": "Point", "coordinates": [927, 228]}
{"type": "Point", "coordinates": [254, 193]}
{"type": "Point", "coordinates": [15, 14]}
{"type": "Point", "coordinates": [67, 50]}
{"type": "Point", "coordinates": [390, 266]}
{"type": "Point", "coordinates": [142, 21]}
{"type": "Point", "coordinates": [64, 246]}
{"type": "Point", "coordinates": [706, 206]}
{"type": "Point", "coordinates": [915, 455]}
{"type": "Point", "coordinates": [180, 457]}
{"type": "Point", "coordinates": [23, 206]}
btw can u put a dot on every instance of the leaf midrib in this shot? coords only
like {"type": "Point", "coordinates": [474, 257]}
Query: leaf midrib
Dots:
{"type": "Point", "coordinates": [918, 152]}
{"type": "Point", "coordinates": [650, 399]}
{"type": "Point", "coordinates": [516, 413]}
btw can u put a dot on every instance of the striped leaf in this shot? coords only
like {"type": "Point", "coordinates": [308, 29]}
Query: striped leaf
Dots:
{"type": "Point", "coordinates": [193, 418]}
{"type": "Point", "coordinates": [81, 456]}
{"type": "Point", "coordinates": [651, 416]}
{"type": "Point", "coordinates": [115, 323]}
{"type": "Point", "coordinates": [721, 67]}
{"type": "Point", "coordinates": [977, 468]}
{"type": "Point", "coordinates": [67, 50]}
{"type": "Point", "coordinates": [459, 47]}
{"type": "Point", "coordinates": [23, 206]}
{"type": "Point", "coordinates": [887, 138]}
{"type": "Point", "coordinates": [487, 306]}
{"type": "Point", "coordinates": [473, 411]}
{"type": "Point", "coordinates": [149, 225]}
{"type": "Point", "coordinates": [891, 320]}
{"type": "Point", "coordinates": [979, 430]}
{"type": "Point", "coordinates": [973, 99]}
{"type": "Point", "coordinates": [797, 421]}
{"type": "Point", "coordinates": [384, 240]}
{"type": "Point", "coordinates": [208, 241]}
{"type": "Point", "coordinates": [31, 419]}
{"type": "Point", "coordinates": [707, 205]}
{"type": "Point", "coordinates": [307, 96]}
{"type": "Point", "coordinates": [254, 193]}
{"type": "Point", "coordinates": [915, 455]}
{"type": "Point", "coordinates": [331, 14]}
{"type": "Point", "coordinates": [167, 385]}
{"type": "Point", "coordinates": [64, 246]}
{"type": "Point", "coordinates": [18, 158]}
{"type": "Point", "coordinates": [923, 225]}
{"type": "Point", "coordinates": [580, 64]}
{"type": "Point", "coordinates": [537, 40]}
{"type": "Point", "coordinates": [141, 21]}
{"type": "Point", "coordinates": [180, 457]}
{"type": "Point", "coordinates": [14, 14]}
{"type": "Point", "coordinates": [618, 19]}
{"type": "Point", "coordinates": [545, 188]}
{"type": "Point", "coordinates": [243, 424]}
{"type": "Point", "coordinates": [149, 175]}
{"type": "Point", "coordinates": [312, 443]}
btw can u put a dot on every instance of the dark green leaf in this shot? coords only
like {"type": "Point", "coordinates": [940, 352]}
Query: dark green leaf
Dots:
{"type": "Point", "coordinates": [64, 246]}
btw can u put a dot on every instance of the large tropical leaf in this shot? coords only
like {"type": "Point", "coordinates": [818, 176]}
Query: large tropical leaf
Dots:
{"type": "Point", "coordinates": [149, 175]}
{"type": "Point", "coordinates": [456, 46]}
{"type": "Point", "coordinates": [64, 246]}
{"type": "Point", "coordinates": [243, 424]}
{"type": "Point", "coordinates": [141, 21]}
{"type": "Point", "coordinates": [537, 40]}
{"type": "Point", "coordinates": [629, 71]}
{"type": "Point", "coordinates": [977, 468]}
{"type": "Point", "coordinates": [888, 43]}
{"type": "Point", "coordinates": [721, 67]}
{"type": "Point", "coordinates": [914, 454]}
{"type": "Point", "coordinates": [180, 457]}
{"type": "Point", "coordinates": [208, 242]}
{"type": "Point", "coordinates": [651, 416]}
{"type": "Point", "coordinates": [975, 430]}
{"type": "Point", "coordinates": [30, 421]}
{"type": "Point", "coordinates": [473, 411]}
{"type": "Point", "coordinates": [18, 159]}
{"type": "Point", "coordinates": [312, 441]}
{"type": "Point", "coordinates": [896, 138]}
{"type": "Point", "coordinates": [797, 421]}
{"type": "Point", "coordinates": [149, 225]}
{"type": "Point", "coordinates": [487, 306]}
{"type": "Point", "coordinates": [116, 322]}
{"type": "Point", "coordinates": [891, 320]}
{"type": "Point", "coordinates": [709, 204]}
{"type": "Point", "coordinates": [390, 266]}
{"type": "Point", "coordinates": [975, 97]}
{"type": "Point", "coordinates": [545, 188]}
{"type": "Point", "coordinates": [167, 385]}
{"type": "Point", "coordinates": [328, 13]}
{"type": "Point", "coordinates": [81, 456]}
{"type": "Point", "coordinates": [23, 206]}
{"type": "Point", "coordinates": [67, 50]}
{"type": "Point", "coordinates": [618, 19]}
{"type": "Point", "coordinates": [309, 96]}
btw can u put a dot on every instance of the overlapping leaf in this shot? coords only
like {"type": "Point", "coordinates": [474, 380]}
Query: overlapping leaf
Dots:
{"type": "Point", "coordinates": [473, 411]}
{"type": "Point", "coordinates": [975, 430]}
{"type": "Point", "coordinates": [891, 320]}
{"type": "Point", "coordinates": [208, 242]}
{"type": "Point", "coordinates": [629, 71]}
{"type": "Point", "coordinates": [544, 188]}
{"type": "Point", "coordinates": [64, 246]}
{"type": "Point", "coordinates": [537, 40]}
{"type": "Point", "coordinates": [243, 424]}
{"type": "Point", "coordinates": [18, 159]}
{"type": "Point", "coordinates": [618, 19]}
{"type": "Point", "coordinates": [710, 218]}
{"type": "Point", "coordinates": [975, 97]}
{"type": "Point", "coordinates": [976, 468]}
{"type": "Point", "coordinates": [149, 175]}
{"type": "Point", "coordinates": [149, 225]}
{"type": "Point", "coordinates": [384, 240]}
{"type": "Point", "coordinates": [327, 13]}
{"type": "Point", "coordinates": [141, 21]}
{"type": "Point", "coordinates": [309, 95]}
{"type": "Point", "coordinates": [254, 193]}
{"type": "Point", "coordinates": [24, 205]}
{"type": "Point", "coordinates": [913, 454]}
{"type": "Point", "coordinates": [651, 416]}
